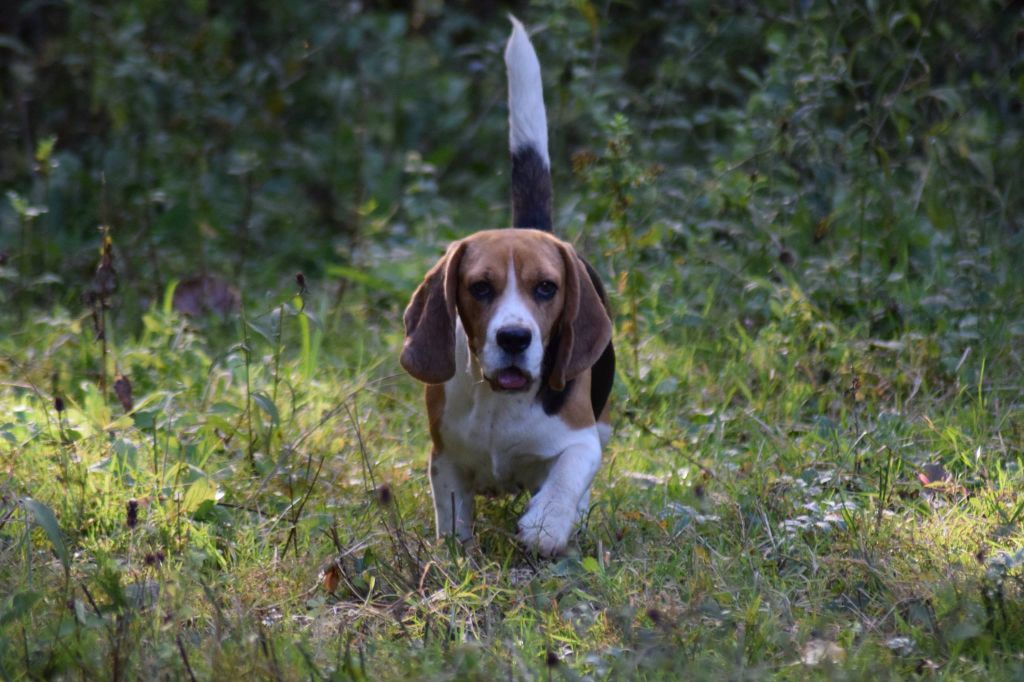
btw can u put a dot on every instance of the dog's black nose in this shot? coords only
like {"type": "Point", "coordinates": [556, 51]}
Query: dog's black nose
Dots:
{"type": "Point", "coordinates": [514, 339]}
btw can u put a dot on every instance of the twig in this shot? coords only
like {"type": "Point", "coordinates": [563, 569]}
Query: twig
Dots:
{"type": "Point", "coordinates": [298, 510]}
{"type": "Point", "coordinates": [250, 446]}
{"type": "Point", "coordinates": [184, 659]}
{"type": "Point", "coordinates": [679, 451]}
{"type": "Point", "coordinates": [362, 446]}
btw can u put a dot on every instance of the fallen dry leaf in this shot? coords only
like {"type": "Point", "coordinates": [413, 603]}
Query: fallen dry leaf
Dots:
{"type": "Point", "coordinates": [937, 481]}
{"type": "Point", "coordinates": [933, 473]}
{"type": "Point", "coordinates": [330, 577]}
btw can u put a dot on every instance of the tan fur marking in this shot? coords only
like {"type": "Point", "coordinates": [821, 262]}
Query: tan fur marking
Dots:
{"type": "Point", "coordinates": [435, 410]}
{"type": "Point", "coordinates": [535, 257]}
{"type": "Point", "coordinates": [534, 266]}
{"type": "Point", "coordinates": [578, 412]}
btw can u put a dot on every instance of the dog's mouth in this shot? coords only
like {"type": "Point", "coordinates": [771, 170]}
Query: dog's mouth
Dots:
{"type": "Point", "coordinates": [510, 379]}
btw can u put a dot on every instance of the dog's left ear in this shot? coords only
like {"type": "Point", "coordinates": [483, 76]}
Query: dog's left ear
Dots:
{"type": "Point", "coordinates": [585, 329]}
{"type": "Point", "coordinates": [429, 350]}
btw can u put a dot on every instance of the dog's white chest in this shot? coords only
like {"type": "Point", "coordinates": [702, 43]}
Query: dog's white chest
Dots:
{"type": "Point", "coordinates": [505, 442]}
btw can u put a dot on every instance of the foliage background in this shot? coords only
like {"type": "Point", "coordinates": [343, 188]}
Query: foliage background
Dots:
{"type": "Point", "coordinates": [811, 215]}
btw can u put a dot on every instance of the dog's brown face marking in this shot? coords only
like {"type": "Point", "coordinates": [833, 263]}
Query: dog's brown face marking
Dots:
{"type": "Point", "coordinates": [514, 291]}
{"type": "Point", "coordinates": [537, 265]}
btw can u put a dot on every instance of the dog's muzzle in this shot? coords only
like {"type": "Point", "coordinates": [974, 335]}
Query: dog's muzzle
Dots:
{"type": "Point", "coordinates": [513, 341]}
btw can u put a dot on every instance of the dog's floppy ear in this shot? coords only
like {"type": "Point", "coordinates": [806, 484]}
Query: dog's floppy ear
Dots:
{"type": "Point", "coordinates": [585, 329]}
{"type": "Point", "coordinates": [429, 350]}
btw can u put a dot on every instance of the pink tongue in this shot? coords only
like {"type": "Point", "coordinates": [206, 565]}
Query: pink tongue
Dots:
{"type": "Point", "coordinates": [511, 379]}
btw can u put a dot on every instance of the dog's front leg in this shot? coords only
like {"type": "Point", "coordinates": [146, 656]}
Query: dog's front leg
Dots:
{"type": "Point", "coordinates": [552, 513]}
{"type": "Point", "coordinates": [453, 499]}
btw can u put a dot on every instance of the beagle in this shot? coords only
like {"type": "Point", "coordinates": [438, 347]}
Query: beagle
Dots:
{"type": "Point", "coordinates": [511, 332]}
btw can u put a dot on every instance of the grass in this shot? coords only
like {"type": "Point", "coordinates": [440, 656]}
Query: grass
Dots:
{"type": "Point", "coordinates": [808, 216]}
{"type": "Point", "coordinates": [760, 511]}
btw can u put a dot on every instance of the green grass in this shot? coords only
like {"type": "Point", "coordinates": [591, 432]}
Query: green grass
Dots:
{"type": "Point", "coordinates": [758, 513]}
{"type": "Point", "coordinates": [809, 219]}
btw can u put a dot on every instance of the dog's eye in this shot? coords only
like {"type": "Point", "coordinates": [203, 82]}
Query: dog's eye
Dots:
{"type": "Point", "coordinates": [545, 291]}
{"type": "Point", "coordinates": [481, 291]}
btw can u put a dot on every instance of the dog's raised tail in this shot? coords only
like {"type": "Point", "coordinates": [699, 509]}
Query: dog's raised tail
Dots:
{"type": "Point", "coordinates": [528, 134]}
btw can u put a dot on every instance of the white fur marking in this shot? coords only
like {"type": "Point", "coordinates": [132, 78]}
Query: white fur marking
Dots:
{"type": "Point", "coordinates": [555, 508]}
{"type": "Point", "coordinates": [527, 120]}
{"type": "Point", "coordinates": [503, 442]}
{"type": "Point", "coordinates": [512, 312]}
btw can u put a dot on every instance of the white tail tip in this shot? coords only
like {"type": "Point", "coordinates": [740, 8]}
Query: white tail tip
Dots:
{"type": "Point", "coordinates": [528, 122]}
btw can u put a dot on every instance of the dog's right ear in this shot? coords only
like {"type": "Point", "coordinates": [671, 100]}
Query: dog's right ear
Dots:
{"type": "Point", "coordinates": [429, 350]}
{"type": "Point", "coordinates": [586, 329]}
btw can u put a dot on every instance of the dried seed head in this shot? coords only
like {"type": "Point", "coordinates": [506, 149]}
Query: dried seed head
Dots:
{"type": "Point", "coordinates": [123, 390]}
{"type": "Point", "coordinates": [104, 282]}
{"type": "Point", "coordinates": [300, 280]}
{"type": "Point", "coordinates": [384, 494]}
{"type": "Point", "coordinates": [58, 404]}
{"type": "Point", "coordinates": [552, 659]}
{"type": "Point", "coordinates": [154, 558]}
{"type": "Point", "coordinates": [133, 513]}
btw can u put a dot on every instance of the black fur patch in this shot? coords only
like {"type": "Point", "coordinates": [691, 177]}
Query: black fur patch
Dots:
{"type": "Point", "coordinates": [602, 374]}
{"type": "Point", "coordinates": [551, 400]}
{"type": "Point", "coordinates": [531, 190]}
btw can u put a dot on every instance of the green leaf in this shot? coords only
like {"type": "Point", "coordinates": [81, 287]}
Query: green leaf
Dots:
{"type": "Point", "coordinates": [263, 330]}
{"type": "Point", "coordinates": [589, 13]}
{"type": "Point", "coordinates": [267, 405]}
{"type": "Point", "coordinates": [202, 490]}
{"type": "Point", "coordinates": [590, 565]}
{"type": "Point", "coordinates": [46, 520]}
{"type": "Point", "coordinates": [44, 150]}
{"type": "Point", "coordinates": [17, 202]}
{"type": "Point", "coordinates": [168, 303]}
{"type": "Point", "coordinates": [21, 603]}
{"type": "Point", "coordinates": [359, 276]}
{"type": "Point", "coordinates": [964, 630]}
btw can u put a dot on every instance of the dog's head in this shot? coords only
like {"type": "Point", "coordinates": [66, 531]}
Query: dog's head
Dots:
{"type": "Point", "coordinates": [521, 295]}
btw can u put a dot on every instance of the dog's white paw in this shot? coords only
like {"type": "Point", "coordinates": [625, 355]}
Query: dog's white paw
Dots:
{"type": "Point", "coordinates": [546, 526]}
